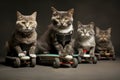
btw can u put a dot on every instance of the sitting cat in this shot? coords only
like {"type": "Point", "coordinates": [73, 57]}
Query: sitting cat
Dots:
{"type": "Point", "coordinates": [57, 38]}
{"type": "Point", "coordinates": [23, 40]}
{"type": "Point", "coordinates": [85, 38]}
{"type": "Point", "coordinates": [103, 42]}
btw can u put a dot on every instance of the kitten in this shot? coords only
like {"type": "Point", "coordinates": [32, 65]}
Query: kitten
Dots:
{"type": "Point", "coordinates": [85, 38]}
{"type": "Point", "coordinates": [103, 41]}
{"type": "Point", "coordinates": [23, 40]}
{"type": "Point", "coordinates": [57, 38]}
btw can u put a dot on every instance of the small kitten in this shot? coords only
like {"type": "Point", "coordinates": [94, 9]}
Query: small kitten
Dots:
{"type": "Point", "coordinates": [57, 38]}
{"type": "Point", "coordinates": [24, 37]}
{"type": "Point", "coordinates": [85, 38]}
{"type": "Point", "coordinates": [103, 41]}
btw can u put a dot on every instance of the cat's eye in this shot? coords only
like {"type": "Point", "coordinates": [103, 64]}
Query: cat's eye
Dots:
{"type": "Point", "coordinates": [30, 22]}
{"type": "Point", "coordinates": [66, 18]}
{"type": "Point", "coordinates": [55, 14]}
{"type": "Point", "coordinates": [58, 17]}
{"type": "Point", "coordinates": [23, 22]}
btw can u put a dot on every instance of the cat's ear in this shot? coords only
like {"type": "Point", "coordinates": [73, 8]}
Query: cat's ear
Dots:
{"type": "Point", "coordinates": [54, 10]}
{"type": "Point", "coordinates": [71, 11]}
{"type": "Point", "coordinates": [79, 24]}
{"type": "Point", "coordinates": [92, 24]}
{"type": "Point", "coordinates": [109, 30]}
{"type": "Point", "coordinates": [97, 30]}
{"type": "Point", "coordinates": [34, 15]}
{"type": "Point", "coordinates": [19, 15]}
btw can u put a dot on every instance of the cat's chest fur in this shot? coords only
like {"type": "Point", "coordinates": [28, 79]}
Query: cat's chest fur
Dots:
{"type": "Point", "coordinates": [104, 45]}
{"type": "Point", "coordinates": [64, 31]}
{"type": "Point", "coordinates": [88, 43]}
{"type": "Point", "coordinates": [31, 38]}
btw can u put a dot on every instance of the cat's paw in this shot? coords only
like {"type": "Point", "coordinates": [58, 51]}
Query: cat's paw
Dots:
{"type": "Point", "coordinates": [69, 57]}
{"type": "Point", "coordinates": [61, 53]}
{"type": "Point", "coordinates": [21, 54]}
{"type": "Point", "coordinates": [80, 51]}
{"type": "Point", "coordinates": [46, 52]}
{"type": "Point", "coordinates": [59, 47]}
{"type": "Point", "coordinates": [32, 55]}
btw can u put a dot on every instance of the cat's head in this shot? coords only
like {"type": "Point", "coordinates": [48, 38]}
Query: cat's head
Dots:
{"type": "Point", "coordinates": [62, 19]}
{"type": "Point", "coordinates": [26, 23]}
{"type": "Point", "coordinates": [85, 31]}
{"type": "Point", "coordinates": [103, 35]}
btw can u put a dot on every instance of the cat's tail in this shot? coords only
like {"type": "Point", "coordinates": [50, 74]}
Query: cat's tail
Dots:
{"type": "Point", "coordinates": [7, 48]}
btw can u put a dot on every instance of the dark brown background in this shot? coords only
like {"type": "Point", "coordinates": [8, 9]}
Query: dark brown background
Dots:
{"type": "Point", "coordinates": [105, 13]}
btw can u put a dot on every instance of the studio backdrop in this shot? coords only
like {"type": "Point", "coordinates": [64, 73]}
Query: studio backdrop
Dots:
{"type": "Point", "coordinates": [104, 13]}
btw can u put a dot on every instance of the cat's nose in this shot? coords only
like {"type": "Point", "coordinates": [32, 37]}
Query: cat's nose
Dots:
{"type": "Point", "coordinates": [104, 35]}
{"type": "Point", "coordinates": [27, 27]}
{"type": "Point", "coordinates": [85, 30]}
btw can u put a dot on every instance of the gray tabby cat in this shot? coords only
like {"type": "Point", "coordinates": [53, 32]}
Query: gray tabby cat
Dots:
{"type": "Point", "coordinates": [23, 40]}
{"type": "Point", "coordinates": [85, 38]}
{"type": "Point", "coordinates": [103, 41]}
{"type": "Point", "coordinates": [57, 38]}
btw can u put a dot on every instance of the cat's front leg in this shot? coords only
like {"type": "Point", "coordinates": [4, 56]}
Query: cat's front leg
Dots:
{"type": "Point", "coordinates": [80, 51]}
{"type": "Point", "coordinates": [59, 48]}
{"type": "Point", "coordinates": [111, 51]}
{"type": "Point", "coordinates": [92, 51]}
{"type": "Point", "coordinates": [19, 51]}
{"type": "Point", "coordinates": [32, 50]}
{"type": "Point", "coordinates": [69, 49]}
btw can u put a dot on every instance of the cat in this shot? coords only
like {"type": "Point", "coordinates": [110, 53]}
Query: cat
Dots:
{"type": "Point", "coordinates": [23, 40]}
{"type": "Point", "coordinates": [57, 38]}
{"type": "Point", "coordinates": [103, 41]}
{"type": "Point", "coordinates": [85, 38]}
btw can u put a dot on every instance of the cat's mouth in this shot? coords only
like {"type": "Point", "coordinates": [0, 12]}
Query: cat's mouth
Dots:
{"type": "Point", "coordinates": [103, 41]}
{"type": "Point", "coordinates": [62, 27]}
{"type": "Point", "coordinates": [86, 37]}
{"type": "Point", "coordinates": [27, 30]}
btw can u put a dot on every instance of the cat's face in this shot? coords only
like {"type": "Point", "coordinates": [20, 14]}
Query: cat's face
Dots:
{"type": "Point", "coordinates": [85, 31]}
{"type": "Point", "coordinates": [103, 35]}
{"type": "Point", "coordinates": [26, 23]}
{"type": "Point", "coordinates": [62, 19]}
